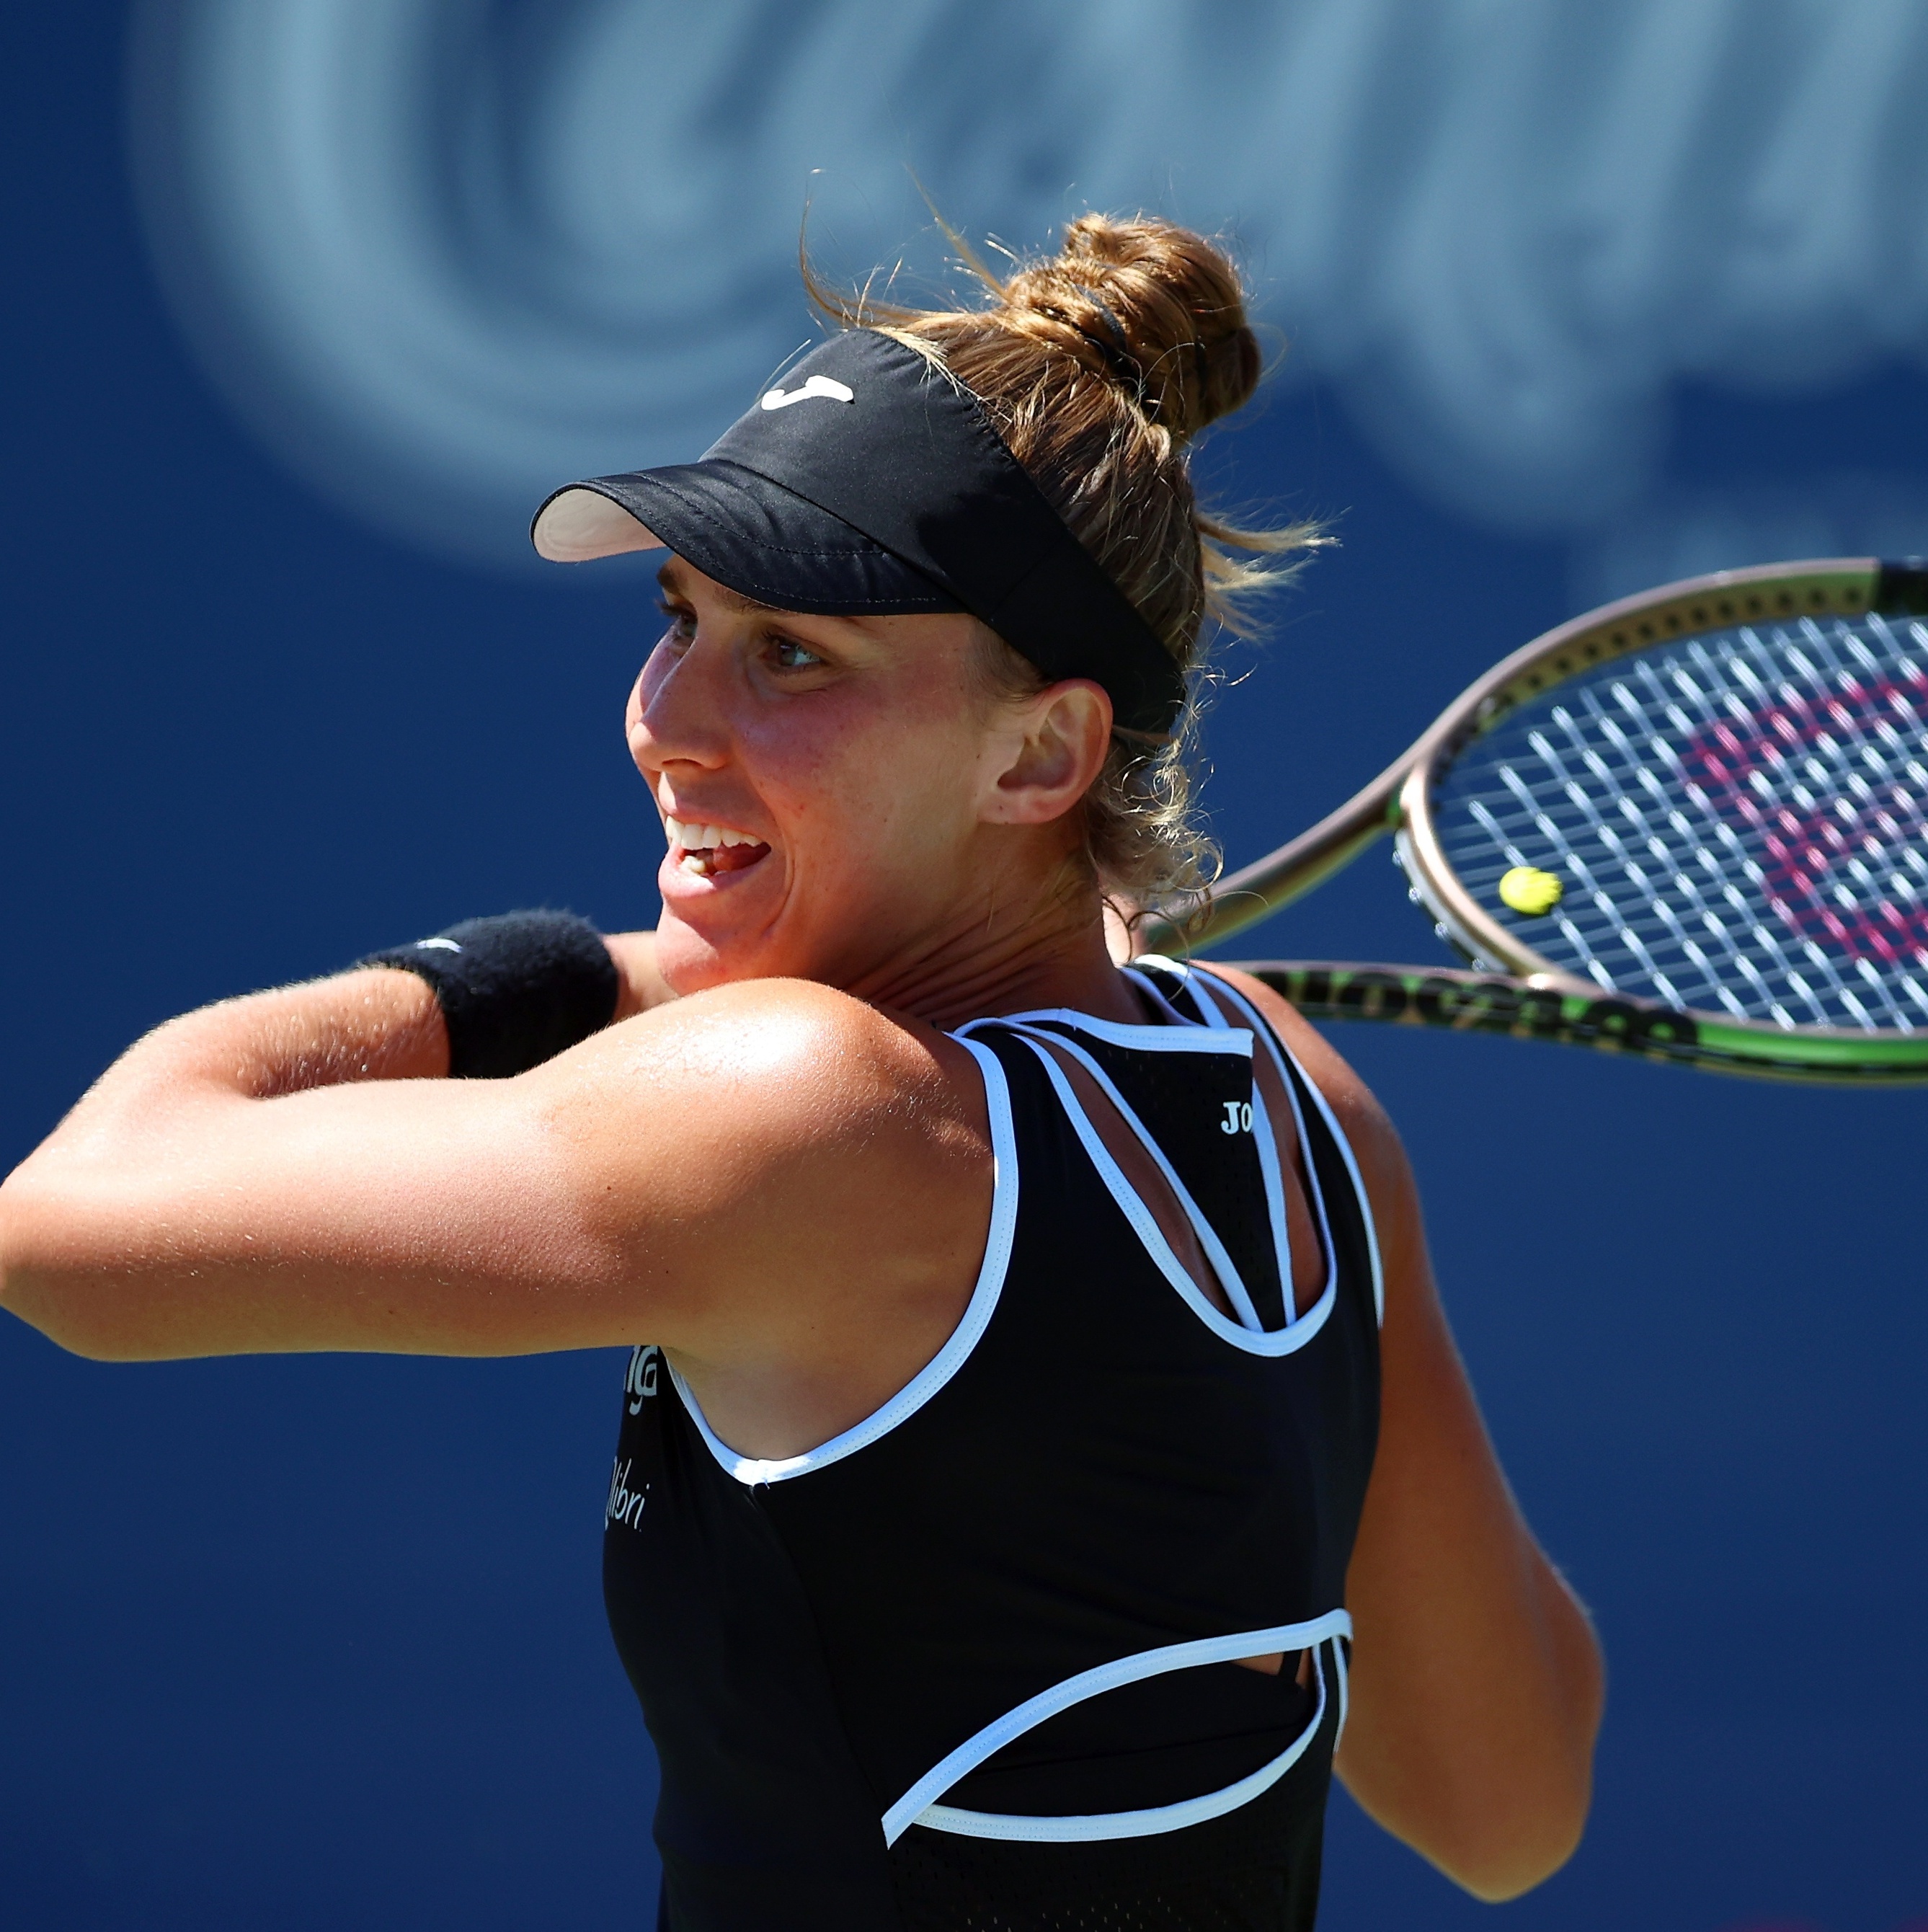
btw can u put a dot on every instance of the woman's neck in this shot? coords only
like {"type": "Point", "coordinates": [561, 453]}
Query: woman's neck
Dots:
{"type": "Point", "coordinates": [1058, 956]}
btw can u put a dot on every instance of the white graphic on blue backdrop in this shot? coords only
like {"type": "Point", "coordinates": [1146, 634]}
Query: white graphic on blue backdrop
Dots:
{"type": "Point", "coordinates": [443, 256]}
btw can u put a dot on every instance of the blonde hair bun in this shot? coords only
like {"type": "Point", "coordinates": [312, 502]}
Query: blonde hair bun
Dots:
{"type": "Point", "coordinates": [1159, 309]}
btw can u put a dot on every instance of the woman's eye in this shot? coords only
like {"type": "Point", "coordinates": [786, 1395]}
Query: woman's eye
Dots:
{"type": "Point", "coordinates": [678, 622]}
{"type": "Point", "coordinates": [790, 655]}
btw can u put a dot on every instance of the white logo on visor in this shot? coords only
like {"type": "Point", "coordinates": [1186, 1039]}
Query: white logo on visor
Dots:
{"type": "Point", "coordinates": [813, 386]}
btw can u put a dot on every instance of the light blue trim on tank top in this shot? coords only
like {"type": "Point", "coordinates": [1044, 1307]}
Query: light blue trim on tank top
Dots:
{"type": "Point", "coordinates": [750, 1470]}
{"type": "Point", "coordinates": [1044, 1042]}
{"type": "Point", "coordinates": [1139, 1039]}
{"type": "Point", "coordinates": [1268, 1143]}
{"type": "Point", "coordinates": [1281, 1053]}
{"type": "Point", "coordinates": [1254, 1341]}
{"type": "Point", "coordinates": [1215, 1018]}
{"type": "Point", "coordinates": [918, 1805]}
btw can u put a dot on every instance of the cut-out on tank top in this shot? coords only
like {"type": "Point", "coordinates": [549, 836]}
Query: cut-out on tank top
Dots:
{"type": "Point", "coordinates": [970, 1664]}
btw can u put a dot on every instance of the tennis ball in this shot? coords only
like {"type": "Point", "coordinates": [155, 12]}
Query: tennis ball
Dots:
{"type": "Point", "coordinates": [1527, 889]}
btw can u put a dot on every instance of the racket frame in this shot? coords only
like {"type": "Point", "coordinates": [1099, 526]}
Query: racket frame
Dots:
{"type": "Point", "coordinates": [1458, 1000]}
{"type": "Point", "coordinates": [1513, 989]}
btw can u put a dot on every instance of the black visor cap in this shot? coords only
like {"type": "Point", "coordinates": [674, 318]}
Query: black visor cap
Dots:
{"type": "Point", "coordinates": [762, 540]}
{"type": "Point", "coordinates": [868, 482]}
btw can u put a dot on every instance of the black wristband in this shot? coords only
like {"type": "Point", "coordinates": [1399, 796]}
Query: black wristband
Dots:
{"type": "Point", "coordinates": [514, 990]}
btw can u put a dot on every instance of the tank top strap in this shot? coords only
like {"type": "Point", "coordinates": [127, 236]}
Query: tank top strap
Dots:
{"type": "Point", "coordinates": [1212, 998]}
{"type": "Point", "coordinates": [1182, 1075]}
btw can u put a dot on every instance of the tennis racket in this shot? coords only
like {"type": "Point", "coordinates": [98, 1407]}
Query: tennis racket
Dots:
{"type": "Point", "coordinates": [1691, 825]}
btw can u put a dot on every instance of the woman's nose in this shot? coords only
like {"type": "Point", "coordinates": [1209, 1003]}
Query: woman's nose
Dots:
{"type": "Point", "coordinates": [675, 712]}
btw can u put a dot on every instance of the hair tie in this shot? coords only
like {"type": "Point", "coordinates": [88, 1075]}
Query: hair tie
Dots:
{"type": "Point", "coordinates": [1119, 358]}
{"type": "Point", "coordinates": [1115, 351]}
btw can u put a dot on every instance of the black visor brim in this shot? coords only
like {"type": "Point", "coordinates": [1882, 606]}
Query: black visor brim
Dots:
{"type": "Point", "coordinates": [750, 534]}
{"type": "Point", "coordinates": [876, 483]}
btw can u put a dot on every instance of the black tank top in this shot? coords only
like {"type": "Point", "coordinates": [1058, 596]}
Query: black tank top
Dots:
{"type": "Point", "coordinates": [968, 1665]}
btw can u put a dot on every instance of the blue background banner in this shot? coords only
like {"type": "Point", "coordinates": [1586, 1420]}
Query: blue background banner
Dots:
{"type": "Point", "coordinates": [307, 301]}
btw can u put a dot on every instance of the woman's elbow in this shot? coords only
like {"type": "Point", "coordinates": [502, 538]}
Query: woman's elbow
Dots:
{"type": "Point", "coordinates": [1513, 1831]}
{"type": "Point", "coordinates": [43, 1279]}
{"type": "Point", "coordinates": [1496, 1832]}
{"type": "Point", "coordinates": [1497, 1865]}
{"type": "Point", "coordinates": [41, 1299]}
{"type": "Point", "coordinates": [1498, 1806]}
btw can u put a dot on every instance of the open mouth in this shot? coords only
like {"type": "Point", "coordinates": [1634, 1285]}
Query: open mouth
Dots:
{"type": "Point", "coordinates": [704, 850]}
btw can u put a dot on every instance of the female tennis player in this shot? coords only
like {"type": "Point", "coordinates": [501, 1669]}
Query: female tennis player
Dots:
{"type": "Point", "coordinates": [1018, 1509]}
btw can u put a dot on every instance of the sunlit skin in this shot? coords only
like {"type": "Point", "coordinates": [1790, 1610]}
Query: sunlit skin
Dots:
{"type": "Point", "coordinates": [775, 1164]}
{"type": "Point", "coordinates": [919, 839]}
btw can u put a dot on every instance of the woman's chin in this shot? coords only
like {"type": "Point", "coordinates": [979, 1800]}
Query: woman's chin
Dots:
{"type": "Point", "coordinates": [692, 962]}
{"type": "Point", "coordinates": [715, 928]}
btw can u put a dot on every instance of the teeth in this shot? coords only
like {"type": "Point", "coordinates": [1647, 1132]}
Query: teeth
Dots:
{"type": "Point", "coordinates": [697, 837]}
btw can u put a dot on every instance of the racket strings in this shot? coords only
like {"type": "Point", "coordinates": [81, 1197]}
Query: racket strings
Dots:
{"type": "Point", "coordinates": [1739, 820]}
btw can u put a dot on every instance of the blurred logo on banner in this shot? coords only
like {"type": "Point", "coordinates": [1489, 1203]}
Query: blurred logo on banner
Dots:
{"type": "Point", "coordinates": [441, 255]}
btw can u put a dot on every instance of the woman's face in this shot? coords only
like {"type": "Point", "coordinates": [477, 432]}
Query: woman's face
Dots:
{"type": "Point", "coordinates": [842, 801]}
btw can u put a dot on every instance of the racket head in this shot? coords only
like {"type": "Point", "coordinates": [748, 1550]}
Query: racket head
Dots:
{"type": "Point", "coordinates": [1711, 798]}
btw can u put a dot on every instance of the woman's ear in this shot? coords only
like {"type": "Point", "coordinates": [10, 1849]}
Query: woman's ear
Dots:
{"type": "Point", "coordinates": [1050, 749]}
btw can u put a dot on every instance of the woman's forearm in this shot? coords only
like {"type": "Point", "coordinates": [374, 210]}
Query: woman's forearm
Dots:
{"type": "Point", "coordinates": [120, 1189]}
{"type": "Point", "coordinates": [373, 1023]}
{"type": "Point", "coordinates": [62, 1210]}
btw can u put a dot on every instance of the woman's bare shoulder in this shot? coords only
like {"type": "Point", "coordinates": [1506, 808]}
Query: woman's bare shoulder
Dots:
{"type": "Point", "coordinates": [771, 1130]}
{"type": "Point", "coordinates": [807, 1053]}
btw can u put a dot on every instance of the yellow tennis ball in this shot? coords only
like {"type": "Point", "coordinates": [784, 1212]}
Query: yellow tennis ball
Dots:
{"type": "Point", "coordinates": [1527, 889]}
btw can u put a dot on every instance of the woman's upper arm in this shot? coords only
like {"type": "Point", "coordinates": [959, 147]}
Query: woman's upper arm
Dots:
{"type": "Point", "coordinates": [641, 1187]}
{"type": "Point", "coordinates": [1476, 1684]}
